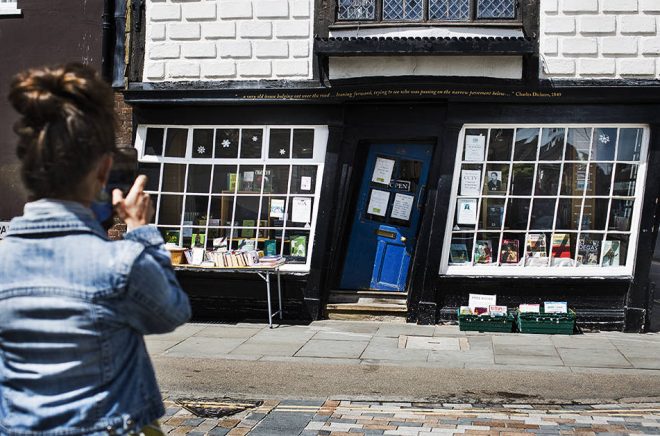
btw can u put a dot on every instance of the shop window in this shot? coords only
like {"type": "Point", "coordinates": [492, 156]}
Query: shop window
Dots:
{"type": "Point", "coordinates": [426, 10]}
{"type": "Point", "coordinates": [254, 185]}
{"type": "Point", "coordinates": [546, 200]}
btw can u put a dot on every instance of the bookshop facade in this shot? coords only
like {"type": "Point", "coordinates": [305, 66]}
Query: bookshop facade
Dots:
{"type": "Point", "coordinates": [436, 199]}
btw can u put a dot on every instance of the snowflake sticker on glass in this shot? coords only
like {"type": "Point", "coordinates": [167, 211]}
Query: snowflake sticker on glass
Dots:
{"type": "Point", "coordinates": [226, 143]}
{"type": "Point", "coordinates": [202, 143]}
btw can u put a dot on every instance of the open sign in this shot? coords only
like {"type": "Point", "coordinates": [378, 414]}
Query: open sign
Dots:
{"type": "Point", "coordinates": [400, 185]}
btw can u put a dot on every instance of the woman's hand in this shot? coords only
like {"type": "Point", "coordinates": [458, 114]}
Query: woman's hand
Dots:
{"type": "Point", "coordinates": [136, 209]}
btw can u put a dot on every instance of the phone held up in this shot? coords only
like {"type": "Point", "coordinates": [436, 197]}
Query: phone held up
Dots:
{"type": "Point", "coordinates": [122, 175]}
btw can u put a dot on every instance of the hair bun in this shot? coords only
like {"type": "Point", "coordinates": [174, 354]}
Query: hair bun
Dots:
{"type": "Point", "coordinates": [44, 94]}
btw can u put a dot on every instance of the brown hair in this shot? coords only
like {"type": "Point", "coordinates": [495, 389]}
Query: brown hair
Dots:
{"type": "Point", "coordinates": [67, 124]}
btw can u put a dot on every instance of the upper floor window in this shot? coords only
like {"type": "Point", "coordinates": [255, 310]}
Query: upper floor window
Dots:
{"type": "Point", "coordinates": [9, 7]}
{"type": "Point", "coordinates": [426, 10]}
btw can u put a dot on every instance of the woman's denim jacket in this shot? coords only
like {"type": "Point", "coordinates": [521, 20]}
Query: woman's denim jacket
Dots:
{"type": "Point", "coordinates": [73, 309]}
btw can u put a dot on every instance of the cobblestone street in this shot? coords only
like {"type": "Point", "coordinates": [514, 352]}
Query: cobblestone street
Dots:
{"type": "Point", "coordinates": [353, 418]}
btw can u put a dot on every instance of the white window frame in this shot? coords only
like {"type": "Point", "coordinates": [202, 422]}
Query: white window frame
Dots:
{"type": "Point", "coordinates": [318, 160]}
{"type": "Point", "coordinates": [626, 271]}
{"type": "Point", "coordinates": [9, 7]}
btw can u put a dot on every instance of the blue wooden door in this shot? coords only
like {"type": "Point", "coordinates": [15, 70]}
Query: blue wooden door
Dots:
{"type": "Point", "coordinates": [384, 229]}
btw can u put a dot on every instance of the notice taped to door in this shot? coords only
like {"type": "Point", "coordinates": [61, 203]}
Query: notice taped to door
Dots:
{"type": "Point", "coordinates": [402, 206]}
{"type": "Point", "coordinates": [383, 171]}
{"type": "Point", "coordinates": [378, 202]}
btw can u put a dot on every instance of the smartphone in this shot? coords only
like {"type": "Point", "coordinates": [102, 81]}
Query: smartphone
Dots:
{"type": "Point", "coordinates": [122, 176]}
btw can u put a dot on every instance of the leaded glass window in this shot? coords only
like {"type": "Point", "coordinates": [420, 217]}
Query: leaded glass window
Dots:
{"type": "Point", "coordinates": [356, 9]}
{"type": "Point", "coordinates": [402, 10]}
{"type": "Point", "coordinates": [426, 10]}
{"type": "Point", "coordinates": [450, 10]}
{"type": "Point", "coordinates": [539, 200]}
{"type": "Point", "coordinates": [496, 9]}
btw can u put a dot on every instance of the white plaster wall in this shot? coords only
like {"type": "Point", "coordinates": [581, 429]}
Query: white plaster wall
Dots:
{"type": "Point", "coordinates": [215, 40]}
{"type": "Point", "coordinates": [501, 67]}
{"type": "Point", "coordinates": [600, 39]}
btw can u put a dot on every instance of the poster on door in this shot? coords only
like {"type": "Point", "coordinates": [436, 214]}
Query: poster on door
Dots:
{"type": "Point", "coordinates": [402, 206]}
{"type": "Point", "coordinates": [378, 202]}
{"type": "Point", "coordinates": [383, 171]}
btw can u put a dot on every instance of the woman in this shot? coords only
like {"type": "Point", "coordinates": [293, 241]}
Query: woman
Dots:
{"type": "Point", "coordinates": [74, 306]}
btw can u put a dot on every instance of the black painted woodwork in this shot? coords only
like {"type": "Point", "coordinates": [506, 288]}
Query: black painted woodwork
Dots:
{"type": "Point", "coordinates": [607, 303]}
{"type": "Point", "coordinates": [412, 46]}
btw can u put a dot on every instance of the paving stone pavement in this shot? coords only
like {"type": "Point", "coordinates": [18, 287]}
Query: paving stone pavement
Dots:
{"type": "Point", "coordinates": [354, 418]}
{"type": "Point", "coordinates": [440, 346]}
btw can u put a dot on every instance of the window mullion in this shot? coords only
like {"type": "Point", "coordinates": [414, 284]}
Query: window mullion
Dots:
{"type": "Point", "coordinates": [587, 180]}
{"type": "Point", "coordinates": [480, 196]}
{"type": "Point", "coordinates": [558, 196]}
{"type": "Point", "coordinates": [531, 202]}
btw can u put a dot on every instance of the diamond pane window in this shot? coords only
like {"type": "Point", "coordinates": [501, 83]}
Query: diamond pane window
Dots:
{"type": "Point", "coordinates": [496, 9]}
{"type": "Point", "coordinates": [451, 10]}
{"type": "Point", "coordinates": [356, 9]}
{"type": "Point", "coordinates": [402, 10]}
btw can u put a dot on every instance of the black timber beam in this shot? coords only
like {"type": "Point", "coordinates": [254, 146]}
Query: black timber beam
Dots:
{"type": "Point", "coordinates": [420, 46]}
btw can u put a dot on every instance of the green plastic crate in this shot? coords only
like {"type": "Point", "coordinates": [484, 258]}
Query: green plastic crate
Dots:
{"type": "Point", "coordinates": [485, 323]}
{"type": "Point", "coordinates": [547, 323]}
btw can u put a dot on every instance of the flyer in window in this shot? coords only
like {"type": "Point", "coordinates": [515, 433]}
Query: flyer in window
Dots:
{"type": "Point", "coordinates": [470, 182]}
{"type": "Point", "coordinates": [305, 183]}
{"type": "Point", "coordinates": [383, 171]}
{"type": "Point", "coordinates": [474, 148]}
{"type": "Point", "coordinates": [378, 202]}
{"type": "Point", "coordinates": [301, 209]}
{"type": "Point", "coordinates": [277, 208]}
{"type": "Point", "coordinates": [402, 206]}
{"type": "Point", "coordinates": [466, 211]}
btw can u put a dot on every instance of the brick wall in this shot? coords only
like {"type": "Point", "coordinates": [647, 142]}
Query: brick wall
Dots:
{"type": "Point", "coordinates": [124, 128]}
{"type": "Point", "coordinates": [600, 39]}
{"type": "Point", "coordinates": [214, 40]}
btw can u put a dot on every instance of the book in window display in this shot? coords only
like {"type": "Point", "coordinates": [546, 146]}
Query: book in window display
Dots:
{"type": "Point", "coordinates": [299, 246]}
{"type": "Point", "coordinates": [561, 249]}
{"type": "Point", "coordinates": [537, 252]}
{"type": "Point", "coordinates": [458, 253]}
{"type": "Point", "coordinates": [494, 216]}
{"type": "Point", "coordinates": [611, 253]}
{"type": "Point", "coordinates": [588, 251]}
{"type": "Point", "coordinates": [510, 251]}
{"type": "Point", "coordinates": [483, 252]}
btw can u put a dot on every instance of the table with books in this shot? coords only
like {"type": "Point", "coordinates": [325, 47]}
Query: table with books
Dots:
{"type": "Point", "coordinates": [264, 268]}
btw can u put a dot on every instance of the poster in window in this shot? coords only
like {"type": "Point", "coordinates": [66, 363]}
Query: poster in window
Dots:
{"type": "Point", "coordinates": [277, 208]}
{"type": "Point", "coordinates": [305, 183]}
{"type": "Point", "coordinates": [611, 253]}
{"type": "Point", "coordinates": [378, 202]}
{"type": "Point", "coordinates": [510, 251]}
{"type": "Point", "coordinates": [301, 209]}
{"type": "Point", "coordinates": [466, 211]}
{"type": "Point", "coordinates": [402, 206]}
{"type": "Point", "coordinates": [494, 181]}
{"type": "Point", "coordinates": [474, 148]}
{"type": "Point", "coordinates": [383, 171]}
{"type": "Point", "coordinates": [470, 182]}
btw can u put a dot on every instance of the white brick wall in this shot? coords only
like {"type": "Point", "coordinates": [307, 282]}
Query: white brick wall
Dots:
{"type": "Point", "coordinates": [211, 40]}
{"type": "Point", "coordinates": [600, 39]}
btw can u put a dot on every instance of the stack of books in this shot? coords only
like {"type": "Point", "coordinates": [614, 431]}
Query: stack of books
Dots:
{"type": "Point", "coordinates": [271, 260]}
{"type": "Point", "coordinates": [236, 259]}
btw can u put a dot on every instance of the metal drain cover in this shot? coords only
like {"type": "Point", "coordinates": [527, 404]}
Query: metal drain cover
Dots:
{"type": "Point", "coordinates": [217, 408]}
